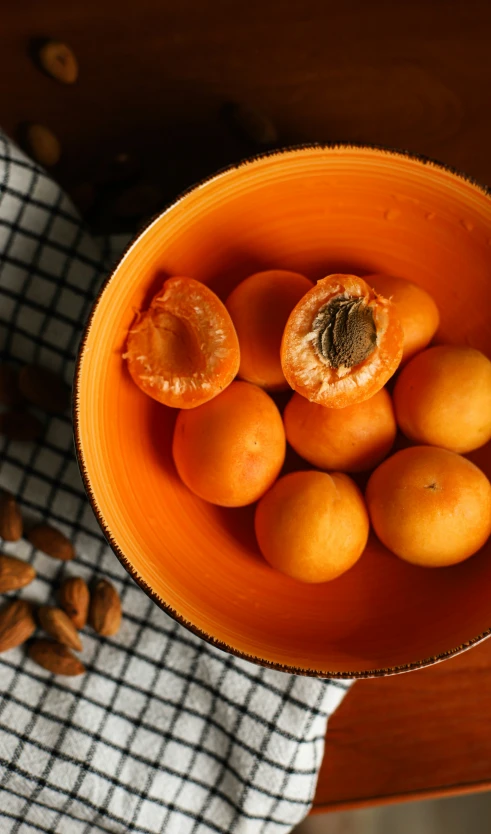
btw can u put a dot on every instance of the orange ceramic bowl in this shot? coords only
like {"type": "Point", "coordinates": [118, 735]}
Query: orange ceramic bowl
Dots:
{"type": "Point", "coordinates": [314, 210]}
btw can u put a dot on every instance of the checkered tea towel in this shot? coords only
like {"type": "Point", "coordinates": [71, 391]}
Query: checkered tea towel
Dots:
{"type": "Point", "coordinates": [164, 733]}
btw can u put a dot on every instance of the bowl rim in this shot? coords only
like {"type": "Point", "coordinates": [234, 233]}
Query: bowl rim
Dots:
{"type": "Point", "coordinates": [123, 559]}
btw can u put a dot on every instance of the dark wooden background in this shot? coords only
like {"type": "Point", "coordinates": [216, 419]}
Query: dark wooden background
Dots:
{"type": "Point", "coordinates": [154, 77]}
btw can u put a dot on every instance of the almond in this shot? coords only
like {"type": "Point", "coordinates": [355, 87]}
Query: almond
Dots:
{"type": "Point", "coordinates": [9, 392]}
{"type": "Point", "coordinates": [42, 144]}
{"type": "Point", "coordinates": [105, 609]}
{"type": "Point", "coordinates": [16, 624]}
{"type": "Point", "coordinates": [58, 60]}
{"type": "Point", "coordinates": [55, 658]}
{"type": "Point", "coordinates": [14, 573]}
{"type": "Point", "coordinates": [59, 625]}
{"type": "Point", "coordinates": [10, 518]}
{"type": "Point", "coordinates": [74, 599]}
{"type": "Point", "coordinates": [51, 541]}
{"type": "Point", "coordinates": [44, 389]}
{"type": "Point", "coordinates": [20, 425]}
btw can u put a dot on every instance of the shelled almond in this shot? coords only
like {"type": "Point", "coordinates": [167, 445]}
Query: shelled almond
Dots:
{"type": "Point", "coordinates": [17, 624]}
{"type": "Point", "coordinates": [10, 518]}
{"type": "Point", "coordinates": [55, 658]}
{"type": "Point", "coordinates": [57, 624]}
{"type": "Point", "coordinates": [14, 573]}
{"type": "Point", "coordinates": [52, 542]}
{"type": "Point", "coordinates": [43, 145]}
{"type": "Point", "coordinates": [58, 61]}
{"type": "Point", "coordinates": [74, 599]}
{"type": "Point", "coordinates": [39, 387]}
{"type": "Point", "coordinates": [105, 609]}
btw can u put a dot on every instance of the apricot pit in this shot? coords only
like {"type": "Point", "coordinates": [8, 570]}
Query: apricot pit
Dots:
{"type": "Point", "coordinates": [341, 343]}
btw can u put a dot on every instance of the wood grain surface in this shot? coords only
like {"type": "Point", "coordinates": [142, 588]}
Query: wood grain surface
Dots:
{"type": "Point", "coordinates": [425, 733]}
{"type": "Point", "coordinates": [154, 77]}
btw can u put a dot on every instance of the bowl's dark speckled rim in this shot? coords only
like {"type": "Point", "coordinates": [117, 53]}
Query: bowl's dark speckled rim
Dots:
{"type": "Point", "coordinates": [371, 673]}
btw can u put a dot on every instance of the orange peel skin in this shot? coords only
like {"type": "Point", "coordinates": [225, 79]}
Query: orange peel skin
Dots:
{"type": "Point", "coordinates": [183, 350]}
{"type": "Point", "coordinates": [342, 342]}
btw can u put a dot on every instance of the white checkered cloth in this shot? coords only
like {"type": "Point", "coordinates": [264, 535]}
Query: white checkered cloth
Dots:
{"type": "Point", "coordinates": [164, 733]}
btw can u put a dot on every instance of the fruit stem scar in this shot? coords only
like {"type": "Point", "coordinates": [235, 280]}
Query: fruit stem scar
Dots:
{"type": "Point", "coordinates": [345, 332]}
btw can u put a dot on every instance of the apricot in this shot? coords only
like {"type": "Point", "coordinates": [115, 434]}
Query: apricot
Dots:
{"type": "Point", "coordinates": [231, 449]}
{"type": "Point", "coordinates": [430, 506]}
{"type": "Point", "coordinates": [417, 311]}
{"type": "Point", "coordinates": [443, 398]}
{"type": "Point", "coordinates": [183, 350]}
{"type": "Point", "coordinates": [312, 526]}
{"type": "Point", "coordinates": [259, 308]}
{"type": "Point", "coordinates": [351, 439]}
{"type": "Point", "coordinates": [342, 342]}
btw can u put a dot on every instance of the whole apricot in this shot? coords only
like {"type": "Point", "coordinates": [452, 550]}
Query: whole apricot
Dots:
{"type": "Point", "coordinates": [231, 449]}
{"type": "Point", "coordinates": [312, 526]}
{"type": "Point", "coordinates": [443, 398]}
{"type": "Point", "coordinates": [417, 311]}
{"type": "Point", "coordinates": [351, 439]}
{"type": "Point", "coordinates": [259, 308]}
{"type": "Point", "coordinates": [430, 506]}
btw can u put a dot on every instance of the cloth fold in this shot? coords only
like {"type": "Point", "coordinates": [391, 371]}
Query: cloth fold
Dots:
{"type": "Point", "coordinates": [164, 734]}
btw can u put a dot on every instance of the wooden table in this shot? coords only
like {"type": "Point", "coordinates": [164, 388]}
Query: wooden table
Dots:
{"type": "Point", "coordinates": [412, 736]}
{"type": "Point", "coordinates": [153, 79]}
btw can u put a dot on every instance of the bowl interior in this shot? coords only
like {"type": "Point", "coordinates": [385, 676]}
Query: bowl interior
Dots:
{"type": "Point", "coordinates": [315, 211]}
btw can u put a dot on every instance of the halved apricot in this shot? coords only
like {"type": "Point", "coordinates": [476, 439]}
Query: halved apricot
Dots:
{"type": "Point", "coordinates": [183, 350]}
{"type": "Point", "coordinates": [342, 342]}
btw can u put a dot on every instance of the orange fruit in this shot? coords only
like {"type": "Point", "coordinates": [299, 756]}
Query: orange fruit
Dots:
{"type": "Point", "coordinates": [351, 439]}
{"type": "Point", "coordinates": [230, 450]}
{"type": "Point", "coordinates": [342, 342]}
{"type": "Point", "coordinates": [443, 398]}
{"type": "Point", "coordinates": [430, 506]}
{"type": "Point", "coordinates": [259, 308]}
{"type": "Point", "coordinates": [312, 526]}
{"type": "Point", "coordinates": [183, 350]}
{"type": "Point", "coordinates": [417, 311]}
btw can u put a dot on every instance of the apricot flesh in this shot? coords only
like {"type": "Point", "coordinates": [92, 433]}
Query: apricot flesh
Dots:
{"type": "Point", "coordinates": [341, 343]}
{"type": "Point", "coordinates": [183, 350]}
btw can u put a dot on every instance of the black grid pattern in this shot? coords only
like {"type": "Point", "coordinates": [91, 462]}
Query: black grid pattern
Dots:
{"type": "Point", "coordinates": [164, 733]}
